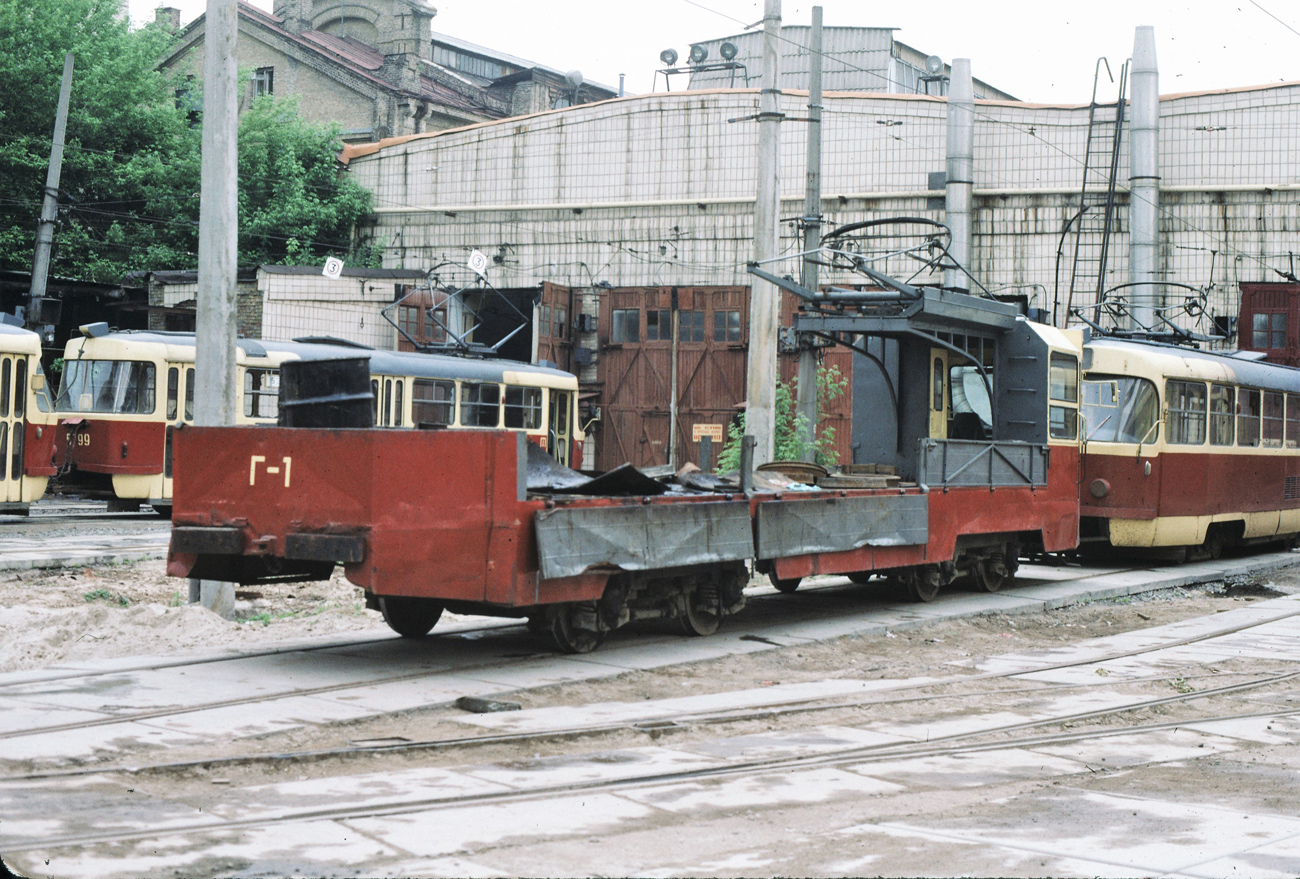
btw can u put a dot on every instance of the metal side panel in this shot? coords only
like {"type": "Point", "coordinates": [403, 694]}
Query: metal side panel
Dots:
{"type": "Point", "coordinates": [638, 538]}
{"type": "Point", "coordinates": [969, 462]}
{"type": "Point", "coordinates": [796, 527]}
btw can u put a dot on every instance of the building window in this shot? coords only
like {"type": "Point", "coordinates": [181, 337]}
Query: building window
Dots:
{"type": "Point", "coordinates": [658, 325]}
{"type": "Point", "coordinates": [264, 81]}
{"type": "Point", "coordinates": [690, 326]}
{"type": "Point", "coordinates": [625, 326]}
{"type": "Point", "coordinates": [726, 326]}
{"type": "Point", "coordinates": [1268, 331]}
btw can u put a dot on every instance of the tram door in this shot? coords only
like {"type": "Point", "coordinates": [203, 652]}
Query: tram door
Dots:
{"type": "Point", "coordinates": [940, 396]}
{"type": "Point", "coordinates": [13, 423]}
{"type": "Point", "coordinates": [558, 434]}
{"type": "Point", "coordinates": [388, 404]}
{"type": "Point", "coordinates": [180, 408]}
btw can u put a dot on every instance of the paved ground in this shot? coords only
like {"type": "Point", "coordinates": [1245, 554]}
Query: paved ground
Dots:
{"type": "Point", "coordinates": [1126, 755]}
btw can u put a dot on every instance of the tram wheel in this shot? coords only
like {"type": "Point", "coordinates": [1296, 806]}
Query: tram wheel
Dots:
{"type": "Point", "coordinates": [538, 624]}
{"type": "Point", "coordinates": [1214, 544]}
{"type": "Point", "coordinates": [701, 615]}
{"type": "Point", "coordinates": [410, 617]}
{"type": "Point", "coordinates": [787, 586]}
{"type": "Point", "coordinates": [991, 574]}
{"type": "Point", "coordinates": [922, 585]}
{"type": "Point", "coordinates": [567, 636]}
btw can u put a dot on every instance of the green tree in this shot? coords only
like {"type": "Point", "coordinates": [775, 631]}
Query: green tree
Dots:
{"type": "Point", "coordinates": [294, 204]}
{"type": "Point", "coordinates": [127, 145]}
{"type": "Point", "coordinates": [793, 434]}
{"type": "Point", "coordinates": [130, 181]}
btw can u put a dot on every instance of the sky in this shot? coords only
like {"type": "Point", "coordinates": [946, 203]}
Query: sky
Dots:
{"type": "Point", "coordinates": [1044, 51]}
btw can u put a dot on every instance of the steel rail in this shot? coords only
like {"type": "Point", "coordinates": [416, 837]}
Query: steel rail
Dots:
{"type": "Point", "coordinates": [934, 747]}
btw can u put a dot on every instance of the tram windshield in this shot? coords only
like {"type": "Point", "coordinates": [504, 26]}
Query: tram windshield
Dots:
{"type": "Point", "coordinates": [117, 386]}
{"type": "Point", "coordinates": [1120, 409]}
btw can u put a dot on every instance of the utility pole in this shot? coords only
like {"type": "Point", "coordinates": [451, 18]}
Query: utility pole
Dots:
{"type": "Point", "coordinates": [214, 356]}
{"type": "Point", "coordinates": [49, 206]}
{"type": "Point", "coordinates": [812, 226]}
{"type": "Point", "coordinates": [764, 297]}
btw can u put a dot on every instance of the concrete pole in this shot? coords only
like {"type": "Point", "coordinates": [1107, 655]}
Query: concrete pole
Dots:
{"type": "Point", "coordinates": [672, 384]}
{"type": "Point", "coordinates": [50, 204]}
{"type": "Point", "coordinates": [960, 188]}
{"type": "Point", "coordinates": [1144, 179]}
{"type": "Point", "coordinates": [214, 357]}
{"type": "Point", "coordinates": [812, 211]}
{"type": "Point", "coordinates": [764, 298]}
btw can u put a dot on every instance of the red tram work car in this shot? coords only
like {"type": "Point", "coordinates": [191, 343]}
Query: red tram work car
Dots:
{"type": "Point", "coordinates": [428, 520]}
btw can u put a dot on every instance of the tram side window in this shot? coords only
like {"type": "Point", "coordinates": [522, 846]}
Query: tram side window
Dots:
{"type": "Point", "coordinates": [1063, 385]}
{"type": "Point", "coordinates": [261, 393]}
{"type": "Point", "coordinates": [1273, 420]}
{"type": "Point", "coordinates": [1185, 420]}
{"type": "Point", "coordinates": [173, 391]}
{"type": "Point", "coordinates": [1121, 409]}
{"type": "Point", "coordinates": [523, 408]}
{"type": "Point", "coordinates": [433, 403]}
{"type": "Point", "coordinates": [1292, 421]}
{"type": "Point", "coordinates": [480, 405]}
{"type": "Point", "coordinates": [20, 388]}
{"type": "Point", "coordinates": [120, 386]}
{"type": "Point", "coordinates": [1248, 412]}
{"type": "Point", "coordinates": [1223, 406]}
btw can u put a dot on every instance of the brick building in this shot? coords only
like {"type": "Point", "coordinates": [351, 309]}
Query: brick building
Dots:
{"type": "Point", "coordinates": [376, 67]}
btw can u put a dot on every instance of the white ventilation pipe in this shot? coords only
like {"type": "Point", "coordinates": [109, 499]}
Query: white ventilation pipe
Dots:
{"type": "Point", "coordinates": [1144, 180]}
{"type": "Point", "coordinates": [960, 187]}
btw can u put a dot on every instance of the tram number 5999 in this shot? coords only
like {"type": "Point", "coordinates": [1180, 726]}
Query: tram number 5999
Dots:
{"type": "Point", "coordinates": [284, 467]}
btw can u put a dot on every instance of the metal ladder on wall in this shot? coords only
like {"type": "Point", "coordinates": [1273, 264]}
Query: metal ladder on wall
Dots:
{"type": "Point", "coordinates": [1095, 218]}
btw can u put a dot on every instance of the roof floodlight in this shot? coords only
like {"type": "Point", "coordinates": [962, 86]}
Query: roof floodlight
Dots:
{"type": "Point", "coordinates": [668, 57]}
{"type": "Point", "coordinates": [698, 53]}
{"type": "Point", "coordinates": [934, 65]}
{"type": "Point", "coordinates": [727, 51]}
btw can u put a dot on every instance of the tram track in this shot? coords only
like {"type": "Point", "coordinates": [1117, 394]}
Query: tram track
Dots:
{"type": "Point", "coordinates": [660, 722]}
{"type": "Point", "coordinates": [955, 743]}
{"type": "Point", "coordinates": [327, 689]}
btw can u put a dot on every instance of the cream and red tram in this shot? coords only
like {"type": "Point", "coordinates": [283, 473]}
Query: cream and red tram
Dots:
{"type": "Point", "coordinates": [26, 420]}
{"type": "Point", "coordinates": [122, 392]}
{"type": "Point", "coordinates": [1187, 448]}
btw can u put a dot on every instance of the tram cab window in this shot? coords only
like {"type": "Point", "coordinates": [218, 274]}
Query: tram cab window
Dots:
{"type": "Point", "coordinates": [972, 412]}
{"type": "Point", "coordinates": [433, 403]}
{"type": "Point", "coordinates": [1063, 387]}
{"type": "Point", "coordinates": [523, 408]}
{"type": "Point", "coordinates": [1120, 409]}
{"type": "Point", "coordinates": [1248, 412]}
{"type": "Point", "coordinates": [261, 393]}
{"type": "Point", "coordinates": [1223, 406]}
{"type": "Point", "coordinates": [120, 386]}
{"type": "Point", "coordinates": [1185, 418]}
{"type": "Point", "coordinates": [42, 389]}
{"type": "Point", "coordinates": [1271, 427]}
{"type": "Point", "coordinates": [480, 405]}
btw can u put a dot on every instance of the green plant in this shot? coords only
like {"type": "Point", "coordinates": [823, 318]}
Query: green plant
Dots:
{"type": "Point", "coordinates": [98, 595]}
{"type": "Point", "coordinates": [794, 436]}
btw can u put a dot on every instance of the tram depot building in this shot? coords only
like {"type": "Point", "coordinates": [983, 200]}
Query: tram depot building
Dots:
{"type": "Point", "coordinates": [600, 215]}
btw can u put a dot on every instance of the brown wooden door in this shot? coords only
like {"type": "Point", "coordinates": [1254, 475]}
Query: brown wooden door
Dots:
{"type": "Point", "coordinates": [635, 369]}
{"type": "Point", "coordinates": [555, 315]}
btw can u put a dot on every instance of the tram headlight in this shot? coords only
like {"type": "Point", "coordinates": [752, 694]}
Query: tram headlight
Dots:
{"type": "Point", "coordinates": [1099, 488]}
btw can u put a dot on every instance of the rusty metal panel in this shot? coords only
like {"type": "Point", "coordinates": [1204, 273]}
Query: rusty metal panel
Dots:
{"type": "Point", "coordinates": [974, 462]}
{"type": "Point", "coordinates": [836, 524]}
{"type": "Point", "coordinates": [642, 537]}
